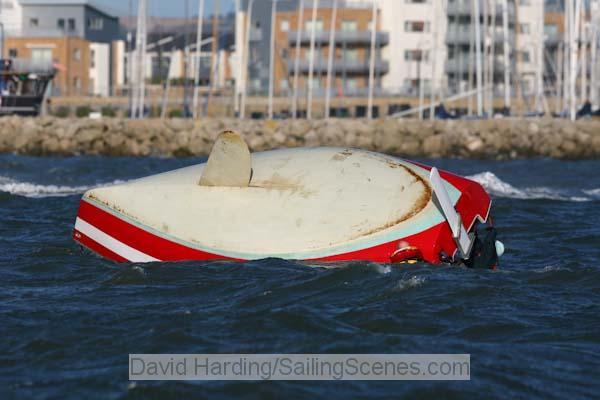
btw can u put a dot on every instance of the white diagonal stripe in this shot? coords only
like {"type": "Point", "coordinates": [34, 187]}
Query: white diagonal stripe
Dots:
{"type": "Point", "coordinates": [111, 243]}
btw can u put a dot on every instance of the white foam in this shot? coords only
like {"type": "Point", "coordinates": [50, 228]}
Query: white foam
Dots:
{"type": "Point", "coordinates": [551, 268]}
{"type": "Point", "coordinates": [497, 187]}
{"type": "Point", "coordinates": [411, 282]}
{"type": "Point", "coordinates": [382, 269]}
{"type": "Point", "coordinates": [34, 190]}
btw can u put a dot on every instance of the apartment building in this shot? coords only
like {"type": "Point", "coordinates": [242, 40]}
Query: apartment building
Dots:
{"type": "Point", "coordinates": [352, 37]}
{"type": "Point", "coordinates": [416, 49]}
{"type": "Point", "coordinates": [460, 41]}
{"type": "Point", "coordinates": [74, 35]}
{"type": "Point", "coordinates": [351, 53]}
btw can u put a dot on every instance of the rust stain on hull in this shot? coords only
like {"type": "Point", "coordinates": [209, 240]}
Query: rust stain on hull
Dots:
{"type": "Point", "coordinates": [419, 205]}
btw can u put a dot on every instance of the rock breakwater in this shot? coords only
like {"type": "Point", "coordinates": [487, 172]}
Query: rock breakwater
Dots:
{"type": "Point", "coordinates": [494, 139]}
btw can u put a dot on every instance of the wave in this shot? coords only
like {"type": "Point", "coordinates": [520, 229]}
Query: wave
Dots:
{"type": "Point", "coordinates": [34, 190]}
{"type": "Point", "coordinates": [497, 187]}
{"type": "Point", "coordinates": [593, 192]}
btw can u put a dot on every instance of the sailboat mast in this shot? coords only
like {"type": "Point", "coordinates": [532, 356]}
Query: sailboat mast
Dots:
{"type": "Point", "coordinates": [478, 63]}
{"type": "Point", "coordinates": [197, 59]}
{"type": "Point", "coordinates": [372, 61]}
{"type": "Point", "coordinates": [300, 22]}
{"type": "Point", "coordinates": [330, 57]}
{"type": "Point", "coordinates": [311, 58]}
{"type": "Point", "coordinates": [272, 57]}
{"type": "Point", "coordinates": [246, 59]}
{"type": "Point", "coordinates": [506, 51]}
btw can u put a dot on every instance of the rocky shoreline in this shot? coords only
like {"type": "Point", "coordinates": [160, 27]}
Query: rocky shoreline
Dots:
{"type": "Point", "coordinates": [493, 139]}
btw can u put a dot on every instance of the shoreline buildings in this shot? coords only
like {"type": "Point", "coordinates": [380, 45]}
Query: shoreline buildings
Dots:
{"type": "Point", "coordinates": [491, 51]}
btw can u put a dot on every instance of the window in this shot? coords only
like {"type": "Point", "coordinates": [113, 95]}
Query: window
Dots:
{"type": "Point", "coordinates": [71, 22]}
{"type": "Point", "coordinates": [349, 26]}
{"type": "Point", "coordinates": [60, 23]}
{"type": "Point", "coordinates": [350, 54]}
{"type": "Point", "coordinates": [77, 83]}
{"type": "Point", "coordinates": [92, 58]}
{"type": "Point", "coordinates": [12, 53]}
{"type": "Point", "coordinates": [41, 54]}
{"type": "Point", "coordinates": [34, 22]}
{"type": "Point", "coordinates": [285, 25]}
{"type": "Point", "coordinates": [416, 26]}
{"type": "Point", "coordinates": [524, 28]}
{"type": "Point", "coordinates": [76, 54]}
{"type": "Point", "coordinates": [551, 30]}
{"type": "Point", "coordinates": [416, 55]}
{"type": "Point", "coordinates": [96, 24]}
{"type": "Point", "coordinates": [318, 53]}
{"type": "Point", "coordinates": [525, 57]}
{"type": "Point", "coordinates": [318, 25]}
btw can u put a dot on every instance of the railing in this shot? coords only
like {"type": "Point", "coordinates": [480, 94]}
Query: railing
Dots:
{"type": "Point", "coordinates": [454, 66]}
{"type": "Point", "coordinates": [354, 37]}
{"type": "Point", "coordinates": [42, 32]}
{"type": "Point", "coordinates": [340, 66]}
{"type": "Point", "coordinates": [462, 34]}
{"type": "Point", "coordinates": [362, 4]}
{"type": "Point", "coordinates": [464, 7]}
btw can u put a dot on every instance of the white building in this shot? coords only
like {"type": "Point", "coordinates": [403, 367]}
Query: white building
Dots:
{"type": "Point", "coordinates": [100, 69]}
{"type": "Point", "coordinates": [11, 16]}
{"type": "Point", "coordinates": [417, 30]}
{"type": "Point", "coordinates": [530, 43]}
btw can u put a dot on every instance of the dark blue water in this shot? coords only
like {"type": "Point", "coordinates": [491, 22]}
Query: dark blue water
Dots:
{"type": "Point", "coordinates": [68, 320]}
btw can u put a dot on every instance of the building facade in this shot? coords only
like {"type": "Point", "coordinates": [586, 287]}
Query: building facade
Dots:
{"type": "Point", "coordinates": [352, 50]}
{"type": "Point", "coordinates": [352, 37]}
{"type": "Point", "coordinates": [70, 55]}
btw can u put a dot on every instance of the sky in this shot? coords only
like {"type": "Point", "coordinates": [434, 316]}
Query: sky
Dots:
{"type": "Point", "coordinates": [165, 8]}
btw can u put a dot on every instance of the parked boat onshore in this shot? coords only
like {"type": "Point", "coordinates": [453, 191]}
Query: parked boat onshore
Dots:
{"type": "Point", "coordinates": [493, 139]}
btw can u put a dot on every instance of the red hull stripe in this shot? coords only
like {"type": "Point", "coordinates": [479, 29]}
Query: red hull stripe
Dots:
{"type": "Point", "coordinates": [141, 239]}
{"type": "Point", "coordinates": [430, 242]}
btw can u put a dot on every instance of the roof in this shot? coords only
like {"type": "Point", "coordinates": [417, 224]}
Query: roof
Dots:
{"type": "Point", "coordinates": [89, 3]}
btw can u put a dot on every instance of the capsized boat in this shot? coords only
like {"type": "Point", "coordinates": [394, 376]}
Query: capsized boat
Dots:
{"type": "Point", "coordinates": [318, 204]}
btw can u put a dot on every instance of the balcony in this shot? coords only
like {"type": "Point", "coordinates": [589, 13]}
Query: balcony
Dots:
{"type": "Point", "coordinates": [349, 37]}
{"type": "Point", "coordinates": [453, 66]}
{"type": "Point", "coordinates": [340, 66]}
{"type": "Point", "coordinates": [463, 7]}
{"type": "Point", "coordinates": [461, 34]}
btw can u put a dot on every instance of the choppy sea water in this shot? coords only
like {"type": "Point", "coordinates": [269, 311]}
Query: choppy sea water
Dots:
{"type": "Point", "coordinates": [68, 319]}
